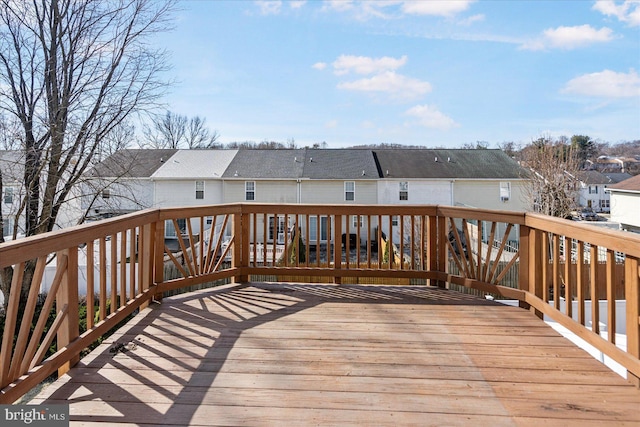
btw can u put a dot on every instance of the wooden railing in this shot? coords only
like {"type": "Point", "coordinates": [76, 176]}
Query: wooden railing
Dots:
{"type": "Point", "coordinates": [120, 265]}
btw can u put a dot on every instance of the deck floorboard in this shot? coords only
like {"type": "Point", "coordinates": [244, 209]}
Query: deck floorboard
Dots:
{"type": "Point", "coordinates": [301, 354]}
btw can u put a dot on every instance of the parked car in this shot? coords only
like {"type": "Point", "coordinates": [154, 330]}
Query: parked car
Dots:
{"type": "Point", "coordinates": [587, 214]}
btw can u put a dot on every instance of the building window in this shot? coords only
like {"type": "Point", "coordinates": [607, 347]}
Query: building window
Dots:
{"type": "Point", "coordinates": [605, 204]}
{"type": "Point", "coordinates": [313, 228]}
{"type": "Point", "coordinates": [395, 220]}
{"type": "Point", "coordinates": [404, 190]}
{"type": "Point", "coordinates": [505, 191]}
{"type": "Point", "coordinates": [593, 190]}
{"type": "Point", "coordinates": [170, 230]}
{"type": "Point", "coordinates": [8, 195]}
{"type": "Point", "coordinates": [356, 220]}
{"type": "Point", "coordinates": [250, 190]}
{"type": "Point", "coordinates": [277, 233]}
{"type": "Point", "coordinates": [106, 193]}
{"type": "Point", "coordinates": [7, 226]}
{"type": "Point", "coordinates": [199, 190]}
{"type": "Point", "coordinates": [349, 190]}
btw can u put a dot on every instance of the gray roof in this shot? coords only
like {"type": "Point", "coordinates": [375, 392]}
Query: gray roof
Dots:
{"type": "Point", "coordinates": [616, 177]}
{"type": "Point", "coordinates": [448, 163]}
{"type": "Point", "coordinates": [592, 177]}
{"type": "Point", "coordinates": [195, 164]}
{"type": "Point", "coordinates": [140, 163]}
{"type": "Point", "coordinates": [266, 164]}
{"type": "Point", "coordinates": [340, 164]}
{"type": "Point", "coordinates": [631, 184]}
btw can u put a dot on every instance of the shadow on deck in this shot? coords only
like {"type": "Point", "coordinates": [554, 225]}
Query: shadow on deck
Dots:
{"type": "Point", "coordinates": [270, 354]}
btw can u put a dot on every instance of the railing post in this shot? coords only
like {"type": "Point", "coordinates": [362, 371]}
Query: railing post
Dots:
{"type": "Point", "coordinates": [535, 266]}
{"type": "Point", "coordinates": [441, 241]}
{"type": "Point", "coordinates": [146, 258]}
{"type": "Point", "coordinates": [68, 296]}
{"type": "Point", "coordinates": [632, 294]}
{"type": "Point", "coordinates": [158, 258]}
{"type": "Point", "coordinates": [337, 248]}
{"type": "Point", "coordinates": [240, 257]}
{"type": "Point", "coordinates": [523, 262]}
{"type": "Point", "coordinates": [432, 247]}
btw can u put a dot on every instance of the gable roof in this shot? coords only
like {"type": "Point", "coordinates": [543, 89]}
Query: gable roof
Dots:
{"type": "Point", "coordinates": [631, 184]}
{"type": "Point", "coordinates": [137, 163]}
{"type": "Point", "coordinates": [196, 164]}
{"type": "Point", "coordinates": [266, 164]}
{"type": "Point", "coordinates": [448, 163]}
{"type": "Point", "coordinates": [617, 177]}
{"type": "Point", "coordinates": [340, 164]}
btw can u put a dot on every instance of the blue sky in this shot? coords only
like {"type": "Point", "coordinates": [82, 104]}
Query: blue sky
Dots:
{"type": "Point", "coordinates": [430, 73]}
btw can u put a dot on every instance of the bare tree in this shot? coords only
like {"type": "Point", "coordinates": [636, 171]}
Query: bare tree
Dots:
{"type": "Point", "coordinates": [118, 139]}
{"type": "Point", "coordinates": [177, 131]}
{"type": "Point", "coordinates": [167, 131]}
{"type": "Point", "coordinates": [551, 188]}
{"type": "Point", "coordinates": [199, 136]}
{"type": "Point", "coordinates": [71, 71]}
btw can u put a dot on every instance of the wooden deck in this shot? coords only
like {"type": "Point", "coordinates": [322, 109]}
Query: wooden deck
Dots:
{"type": "Point", "coordinates": [294, 354]}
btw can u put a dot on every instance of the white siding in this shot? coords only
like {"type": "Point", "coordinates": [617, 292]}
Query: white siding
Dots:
{"type": "Point", "coordinates": [420, 192]}
{"type": "Point", "coordinates": [624, 210]}
{"type": "Point", "coordinates": [183, 192]}
{"type": "Point", "coordinates": [265, 191]}
{"type": "Point", "coordinates": [485, 194]}
{"type": "Point", "coordinates": [332, 191]}
{"type": "Point", "coordinates": [594, 198]}
{"type": "Point", "coordinates": [125, 195]}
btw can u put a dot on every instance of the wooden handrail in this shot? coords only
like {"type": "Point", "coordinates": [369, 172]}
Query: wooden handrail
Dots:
{"type": "Point", "coordinates": [556, 262]}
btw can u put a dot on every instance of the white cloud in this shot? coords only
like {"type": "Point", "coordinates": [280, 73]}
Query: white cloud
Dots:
{"type": "Point", "coordinates": [339, 5]}
{"type": "Point", "coordinates": [366, 65]}
{"type": "Point", "coordinates": [269, 7]}
{"type": "Point", "coordinates": [385, 9]}
{"type": "Point", "coordinates": [470, 20]}
{"type": "Point", "coordinates": [297, 4]}
{"type": "Point", "coordinates": [396, 85]}
{"type": "Point", "coordinates": [331, 124]}
{"type": "Point", "coordinates": [429, 116]}
{"type": "Point", "coordinates": [437, 8]}
{"type": "Point", "coordinates": [319, 65]}
{"type": "Point", "coordinates": [569, 38]}
{"type": "Point", "coordinates": [605, 84]}
{"type": "Point", "coordinates": [628, 11]}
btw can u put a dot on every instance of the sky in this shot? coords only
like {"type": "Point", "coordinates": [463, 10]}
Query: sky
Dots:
{"type": "Point", "coordinates": [428, 73]}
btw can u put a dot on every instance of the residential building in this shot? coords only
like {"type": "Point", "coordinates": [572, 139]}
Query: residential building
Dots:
{"type": "Point", "coordinates": [486, 179]}
{"type": "Point", "coordinates": [591, 189]}
{"type": "Point", "coordinates": [122, 182]}
{"type": "Point", "coordinates": [625, 203]}
{"type": "Point", "coordinates": [12, 191]}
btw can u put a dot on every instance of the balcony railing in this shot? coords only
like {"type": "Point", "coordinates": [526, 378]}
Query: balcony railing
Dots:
{"type": "Point", "coordinates": [551, 266]}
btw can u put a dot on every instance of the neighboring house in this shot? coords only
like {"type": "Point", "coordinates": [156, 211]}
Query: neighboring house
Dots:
{"type": "Point", "coordinates": [475, 178]}
{"type": "Point", "coordinates": [615, 164]}
{"type": "Point", "coordinates": [12, 191]}
{"type": "Point", "coordinates": [122, 182]}
{"type": "Point", "coordinates": [340, 176]}
{"type": "Point", "coordinates": [264, 176]}
{"type": "Point", "coordinates": [591, 189]}
{"type": "Point", "coordinates": [484, 179]}
{"type": "Point", "coordinates": [13, 195]}
{"type": "Point", "coordinates": [301, 176]}
{"type": "Point", "coordinates": [625, 203]}
{"type": "Point", "coordinates": [190, 178]}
